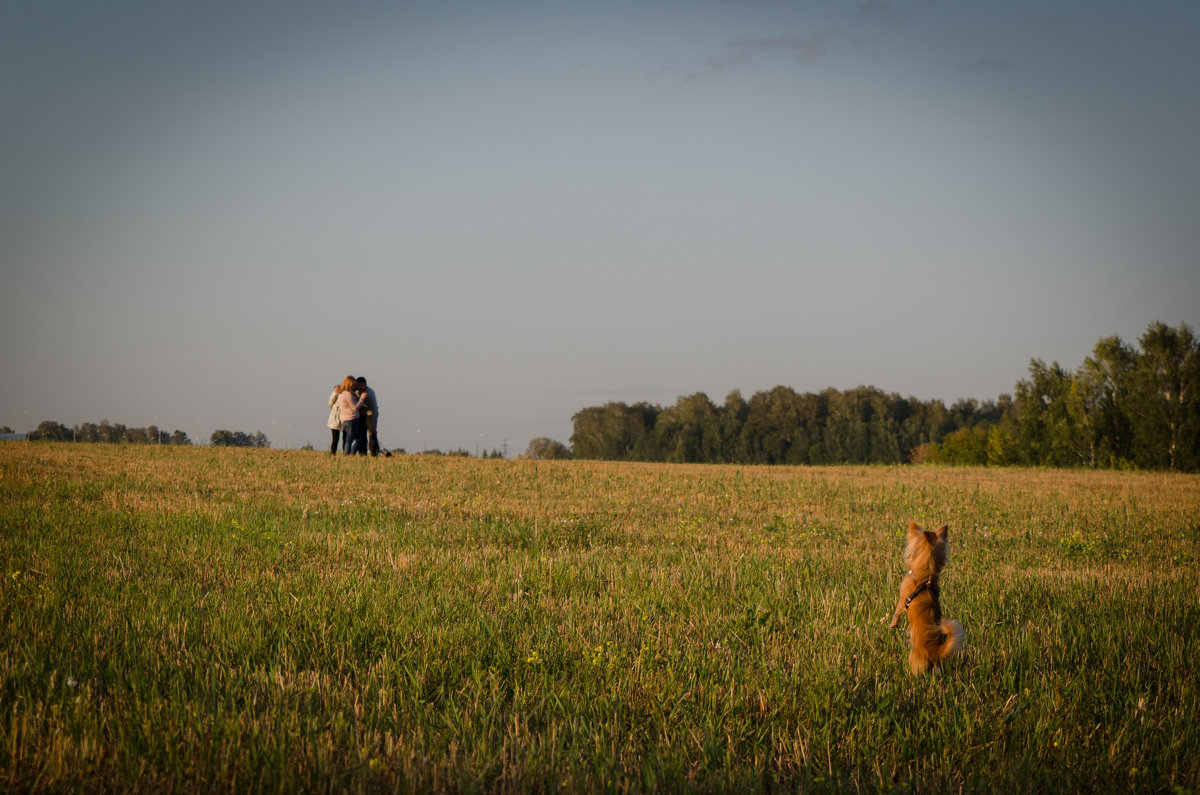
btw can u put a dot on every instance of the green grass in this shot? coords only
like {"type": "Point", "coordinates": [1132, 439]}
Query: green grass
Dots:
{"type": "Point", "coordinates": [229, 620]}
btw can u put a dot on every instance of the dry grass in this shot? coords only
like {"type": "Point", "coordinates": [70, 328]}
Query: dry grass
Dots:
{"type": "Point", "coordinates": [218, 619]}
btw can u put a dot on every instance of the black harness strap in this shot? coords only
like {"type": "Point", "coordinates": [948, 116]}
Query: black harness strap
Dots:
{"type": "Point", "coordinates": [928, 585]}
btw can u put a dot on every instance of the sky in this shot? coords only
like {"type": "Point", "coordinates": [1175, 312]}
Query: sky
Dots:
{"type": "Point", "coordinates": [501, 213]}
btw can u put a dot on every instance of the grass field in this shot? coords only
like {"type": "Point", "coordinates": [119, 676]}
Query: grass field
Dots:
{"type": "Point", "coordinates": [198, 619]}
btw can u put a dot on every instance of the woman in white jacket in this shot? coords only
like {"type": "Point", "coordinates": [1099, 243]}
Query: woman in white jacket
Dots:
{"type": "Point", "coordinates": [334, 423]}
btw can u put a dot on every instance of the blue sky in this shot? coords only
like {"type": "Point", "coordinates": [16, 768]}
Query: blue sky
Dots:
{"type": "Point", "coordinates": [501, 213]}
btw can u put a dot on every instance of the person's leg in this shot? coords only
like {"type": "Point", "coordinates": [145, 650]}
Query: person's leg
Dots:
{"type": "Point", "coordinates": [373, 432]}
{"type": "Point", "coordinates": [347, 436]}
{"type": "Point", "coordinates": [361, 441]}
{"type": "Point", "coordinates": [333, 444]}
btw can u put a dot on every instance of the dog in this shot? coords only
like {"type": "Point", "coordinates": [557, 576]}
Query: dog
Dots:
{"type": "Point", "coordinates": [934, 639]}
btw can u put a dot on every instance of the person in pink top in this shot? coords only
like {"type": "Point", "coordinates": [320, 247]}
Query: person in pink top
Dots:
{"type": "Point", "coordinates": [348, 406]}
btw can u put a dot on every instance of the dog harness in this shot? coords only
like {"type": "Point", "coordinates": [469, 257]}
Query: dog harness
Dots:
{"type": "Point", "coordinates": [928, 585]}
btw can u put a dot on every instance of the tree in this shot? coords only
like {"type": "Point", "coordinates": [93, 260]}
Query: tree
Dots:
{"type": "Point", "coordinates": [1100, 393]}
{"type": "Point", "coordinates": [1002, 449]}
{"type": "Point", "coordinates": [1046, 427]}
{"type": "Point", "coordinates": [844, 440]}
{"type": "Point", "coordinates": [862, 427]}
{"type": "Point", "coordinates": [733, 420]}
{"type": "Point", "coordinates": [546, 449]}
{"type": "Point", "coordinates": [1165, 403]}
{"type": "Point", "coordinates": [782, 426]}
{"type": "Point", "coordinates": [688, 432]}
{"type": "Point", "coordinates": [224, 438]}
{"type": "Point", "coordinates": [613, 432]}
{"type": "Point", "coordinates": [925, 423]}
{"type": "Point", "coordinates": [50, 431]}
{"type": "Point", "coordinates": [966, 446]}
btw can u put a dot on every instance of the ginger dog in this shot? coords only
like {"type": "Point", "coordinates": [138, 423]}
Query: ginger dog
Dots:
{"type": "Point", "coordinates": [933, 638]}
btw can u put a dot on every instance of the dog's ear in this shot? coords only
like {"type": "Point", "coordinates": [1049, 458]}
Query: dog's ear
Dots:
{"type": "Point", "coordinates": [913, 530]}
{"type": "Point", "coordinates": [943, 532]}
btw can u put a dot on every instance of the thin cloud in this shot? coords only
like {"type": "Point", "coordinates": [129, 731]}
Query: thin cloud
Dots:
{"type": "Point", "coordinates": [877, 8]}
{"type": "Point", "coordinates": [986, 65]}
{"type": "Point", "coordinates": [749, 50]}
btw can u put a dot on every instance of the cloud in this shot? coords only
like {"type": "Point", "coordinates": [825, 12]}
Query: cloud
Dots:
{"type": "Point", "coordinates": [986, 65]}
{"type": "Point", "coordinates": [877, 8]}
{"type": "Point", "coordinates": [748, 50]}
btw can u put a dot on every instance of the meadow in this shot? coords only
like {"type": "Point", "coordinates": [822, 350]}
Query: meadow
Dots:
{"type": "Point", "coordinates": [229, 620]}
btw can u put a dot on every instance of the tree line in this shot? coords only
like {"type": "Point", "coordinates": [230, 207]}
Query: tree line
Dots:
{"type": "Point", "coordinates": [1123, 407]}
{"type": "Point", "coordinates": [105, 432]}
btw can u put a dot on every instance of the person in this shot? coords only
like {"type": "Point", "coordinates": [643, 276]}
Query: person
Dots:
{"type": "Point", "coordinates": [369, 417]}
{"type": "Point", "coordinates": [334, 423]}
{"type": "Point", "coordinates": [360, 427]}
{"type": "Point", "coordinates": [348, 406]}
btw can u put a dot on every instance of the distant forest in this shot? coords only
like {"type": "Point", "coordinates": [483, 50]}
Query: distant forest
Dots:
{"type": "Point", "coordinates": [105, 432]}
{"type": "Point", "coordinates": [1123, 407]}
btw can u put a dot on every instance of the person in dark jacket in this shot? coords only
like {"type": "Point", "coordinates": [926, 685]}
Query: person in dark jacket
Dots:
{"type": "Point", "coordinates": [368, 418]}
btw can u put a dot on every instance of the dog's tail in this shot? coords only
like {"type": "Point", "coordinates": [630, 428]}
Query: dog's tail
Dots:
{"type": "Point", "coordinates": [954, 638]}
{"type": "Point", "coordinates": [941, 641]}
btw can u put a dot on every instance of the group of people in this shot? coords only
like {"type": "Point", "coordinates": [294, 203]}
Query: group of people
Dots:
{"type": "Point", "coordinates": [354, 414]}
